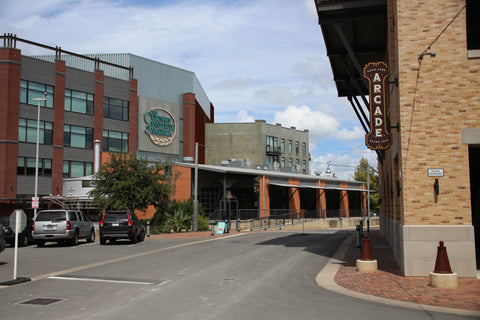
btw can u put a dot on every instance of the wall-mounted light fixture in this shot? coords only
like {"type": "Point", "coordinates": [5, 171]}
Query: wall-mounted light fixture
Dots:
{"type": "Point", "coordinates": [431, 54]}
{"type": "Point", "coordinates": [436, 188]}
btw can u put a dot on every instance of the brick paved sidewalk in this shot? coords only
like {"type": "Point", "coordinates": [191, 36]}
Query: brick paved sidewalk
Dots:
{"type": "Point", "coordinates": [389, 283]}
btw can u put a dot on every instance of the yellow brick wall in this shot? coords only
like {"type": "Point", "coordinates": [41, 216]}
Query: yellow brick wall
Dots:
{"type": "Point", "coordinates": [435, 99]}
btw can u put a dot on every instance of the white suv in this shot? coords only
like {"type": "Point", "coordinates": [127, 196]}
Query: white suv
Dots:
{"type": "Point", "coordinates": [62, 225]}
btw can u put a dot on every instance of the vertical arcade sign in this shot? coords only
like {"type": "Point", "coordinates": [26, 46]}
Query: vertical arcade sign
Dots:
{"type": "Point", "coordinates": [378, 137]}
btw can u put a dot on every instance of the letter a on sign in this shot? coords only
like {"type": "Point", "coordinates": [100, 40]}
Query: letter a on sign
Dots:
{"type": "Point", "coordinates": [378, 137]}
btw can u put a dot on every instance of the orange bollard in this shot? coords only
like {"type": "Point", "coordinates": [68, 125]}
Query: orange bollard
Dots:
{"type": "Point", "coordinates": [442, 265]}
{"type": "Point", "coordinates": [366, 250]}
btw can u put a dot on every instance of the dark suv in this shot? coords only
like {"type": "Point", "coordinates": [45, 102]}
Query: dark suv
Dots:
{"type": "Point", "coordinates": [121, 225]}
{"type": "Point", "coordinates": [24, 237]}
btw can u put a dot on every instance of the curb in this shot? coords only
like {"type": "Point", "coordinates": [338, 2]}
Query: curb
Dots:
{"type": "Point", "coordinates": [326, 279]}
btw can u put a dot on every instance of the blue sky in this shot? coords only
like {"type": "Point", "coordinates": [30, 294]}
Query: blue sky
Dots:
{"type": "Point", "coordinates": [256, 59]}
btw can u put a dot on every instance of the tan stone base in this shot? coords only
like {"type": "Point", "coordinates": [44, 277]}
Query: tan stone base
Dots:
{"type": "Point", "coordinates": [366, 266]}
{"type": "Point", "coordinates": [443, 280]}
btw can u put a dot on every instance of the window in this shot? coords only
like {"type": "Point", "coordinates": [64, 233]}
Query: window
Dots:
{"type": "Point", "coordinates": [115, 141]}
{"type": "Point", "coordinates": [297, 147]}
{"type": "Point", "coordinates": [304, 148]}
{"type": "Point", "coordinates": [272, 159]}
{"type": "Point", "coordinates": [27, 131]}
{"type": "Point", "coordinates": [282, 163]}
{"type": "Point", "coordinates": [304, 166]}
{"type": "Point", "coordinates": [272, 144]}
{"type": "Point", "coordinates": [115, 109]}
{"type": "Point", "coordinates": [290, 162]}
{"type": "Point", "coordinates": [73, 169]}
{"type": "Point", "coordinates": [290, 146]}
{"type": "Point", "coordinates": [30, 90]}
{"type": "Point", "coordinates": [77, 137]}
{"type": "Point", "coordinates": [282, 145]}
{"type": "Point", "coordinates": [26, 167]}
{"type": "Point", "coordinates": [77, 101]}
{"type": "Point", "coordinates": [473, 27]}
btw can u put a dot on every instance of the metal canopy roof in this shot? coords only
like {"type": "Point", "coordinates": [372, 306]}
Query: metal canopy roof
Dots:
{"type": "Point", "coordinates": [355, 34]}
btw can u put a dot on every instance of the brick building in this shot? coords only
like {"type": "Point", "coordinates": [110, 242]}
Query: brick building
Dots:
{"type": "Point", "coordinates": [429, 177]}
{"type": "Point", "coordinates": [128, 103]}
{"type": "Point", "coordinates": [262, 143]}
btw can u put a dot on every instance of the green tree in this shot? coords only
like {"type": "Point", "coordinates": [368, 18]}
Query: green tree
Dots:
{"type": "Point", "coordinates": [125, 182]}
{"type": "Point", "coordinates": [361, 175]}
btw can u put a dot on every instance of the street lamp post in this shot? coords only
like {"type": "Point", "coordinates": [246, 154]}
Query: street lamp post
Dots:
{"type": "Point", "coordinates": [39, 100]}
{"type": "Point", "coordinates": [195, 193]}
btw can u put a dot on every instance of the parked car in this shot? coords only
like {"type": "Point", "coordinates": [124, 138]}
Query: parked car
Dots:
{"type": "Point", "coordinates": [121, 225]}
{"type": "Point", "coordinates": [24, 237]}
{"type": "Point", "coordinates": [2, 239]}
{"type": "Point", "coordinates": [62, 225]}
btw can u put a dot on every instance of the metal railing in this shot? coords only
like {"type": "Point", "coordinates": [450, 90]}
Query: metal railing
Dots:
{"type": "Point", "coordinates": [256, 219]}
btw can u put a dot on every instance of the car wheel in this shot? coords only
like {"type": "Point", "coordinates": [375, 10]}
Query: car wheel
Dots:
{"type": "Point", "coordinates": [40, 243]}
{"type": "Point", "coordinates": [103, 240]}
{"type": "Point", "coordinates": [91, 236]}
{"type": "Point", "coordinates": [134, 238]}
{"type": "Point", "coordinates": [142, 236]}
{"type": "Point", "coordinates": [23, 241]}
{"type": "Point", "coordinates": [74, 241]}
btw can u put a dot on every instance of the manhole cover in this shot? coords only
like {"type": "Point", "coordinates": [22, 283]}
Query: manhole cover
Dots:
{"type": "Point", "coordinates": [41, 301]}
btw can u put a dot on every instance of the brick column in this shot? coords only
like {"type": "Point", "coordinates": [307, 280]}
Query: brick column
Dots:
{"type": "Point", "coordinates": [10, 61]}
{"type": "Point", "coordinates": [264, 195]}
{"type": "Point", "coordinates": [59, 116]}
{"type": "Point", "coordinates": [132, 116]}
{"type": "Point", "coordinates": [98, 106]}
{"type": "Point", "coordinates": [344, 200]}
{"type": "Point", "coordinates": [294, 195]}
{"type": "Point", "coordinates": [322, 199]}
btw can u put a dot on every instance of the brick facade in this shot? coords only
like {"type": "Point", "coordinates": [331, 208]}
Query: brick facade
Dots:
{"type": "Point", "coordinates": [436, 98]}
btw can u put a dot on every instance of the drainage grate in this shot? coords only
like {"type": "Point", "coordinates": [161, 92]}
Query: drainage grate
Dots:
{"type": "Point", "coordinates": [41, 301]}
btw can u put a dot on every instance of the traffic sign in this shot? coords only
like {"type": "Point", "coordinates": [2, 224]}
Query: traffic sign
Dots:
{"type": "Point", "coordinates": [35, 202]}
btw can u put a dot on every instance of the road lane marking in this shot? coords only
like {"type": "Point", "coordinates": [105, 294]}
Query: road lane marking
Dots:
{"type": "Point", "coordinates": [133, 256]}
{"type": "Point", "coordinates": [88, 279]}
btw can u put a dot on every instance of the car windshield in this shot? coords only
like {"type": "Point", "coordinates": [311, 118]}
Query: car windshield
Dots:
{"type": "Point", "coordinates": [51, 216]}
{"type": "Point", "coordinates": [116, 215]}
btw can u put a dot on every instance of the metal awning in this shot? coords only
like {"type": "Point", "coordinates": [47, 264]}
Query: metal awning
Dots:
{"type": "Point", "coordinates": [355, 33]}
{"type": "Point", "coordinates": [315, 187]}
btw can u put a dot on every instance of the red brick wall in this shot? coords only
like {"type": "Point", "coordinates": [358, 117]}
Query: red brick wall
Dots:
{"type": "Point", "coordinates": [132, 116]}
{"type": "Point", "coordinates": [59, 111]}
{"type": "Point", "coordinates": [9, 108]}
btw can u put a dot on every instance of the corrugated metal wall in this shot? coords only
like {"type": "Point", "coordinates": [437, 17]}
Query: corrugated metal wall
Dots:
{"type": "Point", "coordinates": [155, 79]}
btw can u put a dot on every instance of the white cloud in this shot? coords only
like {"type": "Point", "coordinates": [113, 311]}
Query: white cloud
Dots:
{"type": "Point", "coordinates": [348, 135]}
{"type": "Point", "coordinates": [237, 83]}
{"type": "Point", "coordinates": [242, 116]}
{"type": "Point", "coordinates": [262, 59]}
{"type": "Point", "coordinates": [319, 124]}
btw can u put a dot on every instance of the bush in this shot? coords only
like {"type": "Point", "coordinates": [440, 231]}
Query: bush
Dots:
{"type": "Point", "coordinates": [203, 224]}
{"type": "Point", "coordinates": [178, 216]}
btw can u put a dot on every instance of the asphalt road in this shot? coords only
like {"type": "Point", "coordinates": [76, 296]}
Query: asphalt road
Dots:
{"type": "Point", "coordinates": [267, 275]}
